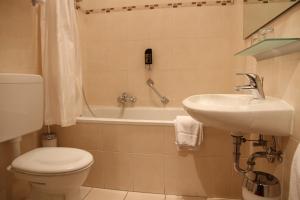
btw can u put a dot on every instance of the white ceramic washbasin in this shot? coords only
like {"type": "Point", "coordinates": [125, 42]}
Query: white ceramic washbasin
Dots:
{"type": "Point", "coordinates": [242, 113]}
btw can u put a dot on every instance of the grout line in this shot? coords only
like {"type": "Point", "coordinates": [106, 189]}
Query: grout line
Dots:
{"type": "Point", "coordinates": [164, 175]}
{"type": "Point", "coordinates": [126, 195]}
{"type": "Point", "coordinates": [87, 194]}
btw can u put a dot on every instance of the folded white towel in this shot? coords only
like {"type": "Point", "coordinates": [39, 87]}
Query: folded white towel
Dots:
{"type": "Point", "coordinates": [188, 132]}
{"type": "Point", "coordinates": [294, 193]}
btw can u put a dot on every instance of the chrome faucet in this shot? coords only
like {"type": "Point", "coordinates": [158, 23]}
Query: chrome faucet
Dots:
{"type": "Point", "coordinates": [255, 85]}
{"type": "Point", "coordinates": [125, 98]}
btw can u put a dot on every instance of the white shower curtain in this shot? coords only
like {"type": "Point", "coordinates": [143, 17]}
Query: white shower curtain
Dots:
{"type": "Point", "coordinates": [61, 63]}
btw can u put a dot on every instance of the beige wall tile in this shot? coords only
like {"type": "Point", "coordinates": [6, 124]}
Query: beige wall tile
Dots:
{"type": "Point", "coordinates": [6, 178]}
{"type": "Point", "coordinates": [82, 136]}
{"type": "Point", "coordinates": [103, 87]}
{"type": "Point", "coordinates": [96, 175]}
{"type": "Point", "coordinates": [133, 139]}
{"type": "Point", "coordinates": [285, 184]}
{"type": "Point", "coordinates": [190, 52]}
{"type": "Point", "coordinates": [236, 183]}
{"type": "Point", "coordinates": [97, 52]}
{"type": "Point", "coordinates": [221, 169]}
{"type": "Point", "coordinates": [169, 141]}
{"type": "Point", "coordinates": [289, 148]}
{"type": "Point", "coordinates": [30, 141]}
{"type": "Point", "coordinates": [116, 138]}
{"type": "Point", "coordinates": [188, 175]}
{"type": "Point", "coordinates": [289, 145]}
{"type": "Point", "coordinates": [215, 143]}
{"type": "Point", "coordinates": [139, 29]}
{"type": "Point", "coordinates": [185, 48]}
{"type": "Point", "coordinates": [147, 139]}
{"type": "Point", "coordinates": [281, 75]}
{"type": "Point", "coordinates": [148, 173]}
{"type": "Point", "coordinates": [181, 26]}
{"type": "Point", "coordinates": [19, 49]}
{"type": "Point", "coordinates": [160, 26]}
{"type": "Point", "coordinates": [117, 171]}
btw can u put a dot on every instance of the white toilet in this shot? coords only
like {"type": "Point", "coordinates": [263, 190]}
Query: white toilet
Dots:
{"type": "Point", "coordinates": [54, 173]}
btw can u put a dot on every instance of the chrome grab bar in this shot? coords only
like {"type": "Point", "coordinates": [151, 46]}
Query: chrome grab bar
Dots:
{"type": "Point", "coordinates": [164, 100]}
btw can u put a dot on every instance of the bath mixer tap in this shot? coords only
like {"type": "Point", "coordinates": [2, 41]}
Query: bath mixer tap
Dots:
{"type": "Point", "coordinates": [255, 85]}
{"type": "Point", "coordinates": [125, 98]}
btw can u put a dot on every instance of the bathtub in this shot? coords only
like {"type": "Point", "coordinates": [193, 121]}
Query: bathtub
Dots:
{"type": "Point", "coordinates": [132, 115]}
{"type": "Point", "coordinates": [142, 140]}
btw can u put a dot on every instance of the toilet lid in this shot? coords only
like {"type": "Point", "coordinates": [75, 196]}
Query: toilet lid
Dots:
{"type": "Point", "coordinates": [51, 160]}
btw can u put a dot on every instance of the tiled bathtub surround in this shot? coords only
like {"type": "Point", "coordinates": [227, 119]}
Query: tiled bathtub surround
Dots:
{"type": "Point", "coordinates": [155, 6]}
{"type": "Point", "coordinates": [144, 158]}
{"type": "Point", "coordinates": [192, 52]}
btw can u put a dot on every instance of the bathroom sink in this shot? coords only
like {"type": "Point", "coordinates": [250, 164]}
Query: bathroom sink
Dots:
{"type": "Point", "coordinates": [241, 114]}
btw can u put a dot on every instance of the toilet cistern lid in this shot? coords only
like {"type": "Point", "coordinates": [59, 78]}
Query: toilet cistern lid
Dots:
{"type": "Point", "coordinates": [52, 160]}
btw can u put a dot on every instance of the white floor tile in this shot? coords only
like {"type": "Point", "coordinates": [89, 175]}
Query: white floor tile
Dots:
{"type": "Point", "coordinates": [221, 199]}
{"type": "Point", "coordinates": [174, 197]}
{"type": "Point", "coordinates": [84, 192]}
{"type": "Point", "coordinates": [103, 194]}
{"type": "Point", "coordinates": [144, 196]}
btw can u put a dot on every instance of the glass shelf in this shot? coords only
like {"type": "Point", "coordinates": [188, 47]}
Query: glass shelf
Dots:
{"type": "Point", "coordinates": [271, 47]}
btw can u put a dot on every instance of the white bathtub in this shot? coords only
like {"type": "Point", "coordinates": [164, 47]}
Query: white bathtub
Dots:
{"type": "Point", "coordinates": [134, 115]}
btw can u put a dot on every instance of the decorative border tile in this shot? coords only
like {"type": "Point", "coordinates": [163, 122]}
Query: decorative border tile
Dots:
{"type": "Point", "coordinates": [156, 6]}
{"type": "Point", "coordinates": [267, 1]}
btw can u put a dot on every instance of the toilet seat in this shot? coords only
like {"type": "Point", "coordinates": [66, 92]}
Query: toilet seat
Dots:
{"type": "Point", "coordinates": [52, 161]}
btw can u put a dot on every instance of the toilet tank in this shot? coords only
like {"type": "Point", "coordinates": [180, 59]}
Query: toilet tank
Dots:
{"type": "Point", "coordinates": [21, 104]}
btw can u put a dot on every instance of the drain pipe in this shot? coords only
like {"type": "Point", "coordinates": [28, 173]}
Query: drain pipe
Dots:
{"type": "Point", "coordinates": [253, 157]}
{"type": "Point", "coordinates": [237, 142]}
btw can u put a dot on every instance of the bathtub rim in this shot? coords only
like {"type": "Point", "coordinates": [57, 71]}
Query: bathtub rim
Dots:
{"type": "Point", "coordinates": [124, 121]}
{"type": "Point", "coordinates": [100, 120]}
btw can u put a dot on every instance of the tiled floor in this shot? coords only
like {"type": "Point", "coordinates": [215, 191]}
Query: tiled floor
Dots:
{"type": "Point", "coordinates": [104, 194]}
